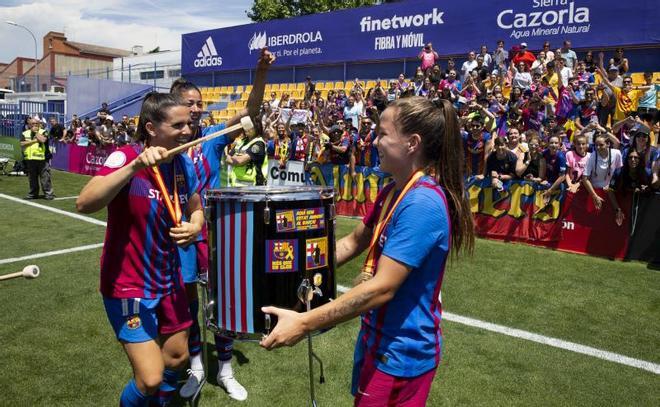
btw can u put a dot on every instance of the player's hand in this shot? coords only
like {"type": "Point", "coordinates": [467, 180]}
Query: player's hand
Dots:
{"type": "Point", "coordinates": [184, 234]}
{"type": "Point", "coordinates": [290, 328]}
{"type": "Point", "coordinates": [574, 187]}
{"type": "Point", "coordinates": [266, 59]}
{"type": "Point", "coordinates": [152, 156]}
{"type": "Point", "coordinates": [619, 217]}
{"type": "Point", "coordinates": [598, 202]}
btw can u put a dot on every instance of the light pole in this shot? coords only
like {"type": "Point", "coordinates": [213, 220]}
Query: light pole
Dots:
{"type": "Point", "coordinates": [36, 59]}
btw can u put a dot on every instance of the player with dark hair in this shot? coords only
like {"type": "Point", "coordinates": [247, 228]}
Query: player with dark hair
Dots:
{"type": "Point", "coordinates": [147, 192]}
{"type": "Point", "coordinates": [399, 345]}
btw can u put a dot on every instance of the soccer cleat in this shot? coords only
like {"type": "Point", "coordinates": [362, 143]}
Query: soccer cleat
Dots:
{"type": "Point", "coordinates": [233, 388]}
{"type": "Point", "coordinates": [194, 382]}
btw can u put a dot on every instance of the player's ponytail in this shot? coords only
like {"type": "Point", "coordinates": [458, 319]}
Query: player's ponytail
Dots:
{"type": "Point", "coordinates": [442, 147]}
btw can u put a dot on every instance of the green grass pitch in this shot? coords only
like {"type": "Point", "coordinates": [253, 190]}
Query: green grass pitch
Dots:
{"type": "Point", "coordinates": [57, 348]}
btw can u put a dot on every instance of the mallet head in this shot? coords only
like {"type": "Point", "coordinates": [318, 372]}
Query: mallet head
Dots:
{"type": "Point", "coordinates": [31, 271]}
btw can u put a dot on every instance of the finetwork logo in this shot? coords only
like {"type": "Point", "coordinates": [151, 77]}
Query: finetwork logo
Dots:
{"type": "Point", "coordinates": [367, 24]}
{"type": "Point", "coordinates": [257, 42]}
{"type": "Point", "coordinates": [208, 56]}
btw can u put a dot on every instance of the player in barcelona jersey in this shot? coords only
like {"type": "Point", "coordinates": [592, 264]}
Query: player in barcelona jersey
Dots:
{"type": "Point", "coordinates": [398, 294]}
{"type": "Point", "coordinates": [208, 159]}
{"type": "Point", "coordinates": [153, 208]}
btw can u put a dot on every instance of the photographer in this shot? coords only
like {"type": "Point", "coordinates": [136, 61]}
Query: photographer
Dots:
{"type": "Point", "coordinates": [428, 57]}
{"type": "Point", "coordinates": [34, 142]}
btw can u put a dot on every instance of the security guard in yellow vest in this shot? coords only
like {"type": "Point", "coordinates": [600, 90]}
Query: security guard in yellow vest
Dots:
{"type": "Point", "coordinates": [248, 163]}
{"type": "Point", "coordinates": [34, 144]}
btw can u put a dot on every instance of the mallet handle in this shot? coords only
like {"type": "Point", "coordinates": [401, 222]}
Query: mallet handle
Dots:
{"type": "Point", "coordinates": [11, 275]}
{"type": "Point", "coordinates": [184, 147]}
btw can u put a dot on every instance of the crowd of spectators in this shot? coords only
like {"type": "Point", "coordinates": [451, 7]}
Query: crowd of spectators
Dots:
{"type": "Point", "coordinates": [101, 130]}
{"type": "Point", "coordinates": [547, 117]}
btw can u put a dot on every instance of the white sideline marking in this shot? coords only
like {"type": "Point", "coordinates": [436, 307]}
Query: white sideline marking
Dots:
{"type": "Point", "coordinates": [65, 197]}
{"type": "Point", "coordinates": [58, 211]}
{"type": "Point", "coordinates": [53, 253]}
{"type": "Point", "coordinates": [546, 340]}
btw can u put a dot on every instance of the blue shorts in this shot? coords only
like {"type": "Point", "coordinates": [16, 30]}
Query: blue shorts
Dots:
{"type": "Point", "coordinates": [188, 256]}
{"type": "Point", "coordinates": [140, 319]}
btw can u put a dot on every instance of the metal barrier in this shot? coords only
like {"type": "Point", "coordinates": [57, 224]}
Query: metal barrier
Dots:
{"type": "Point", "coordinates": [14, 115]}
{"type": "Point", "coordinates": [11, 119]}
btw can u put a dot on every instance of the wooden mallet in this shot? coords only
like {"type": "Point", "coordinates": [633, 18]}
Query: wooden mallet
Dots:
{"type": "Point", "coordinates": [30, 271]}
{"type": "Point", "coordinates": [245, 124]}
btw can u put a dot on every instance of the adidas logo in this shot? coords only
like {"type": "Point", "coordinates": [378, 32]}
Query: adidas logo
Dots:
{"type": "Point", "coordinates": [208, 56]}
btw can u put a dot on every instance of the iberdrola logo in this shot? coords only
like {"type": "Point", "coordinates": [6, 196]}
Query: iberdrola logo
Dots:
{"type": "Point", "coordinates": [257, 42]}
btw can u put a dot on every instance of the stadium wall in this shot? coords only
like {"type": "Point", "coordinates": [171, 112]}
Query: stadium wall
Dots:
{"type": "Point", "coordinates": [86, 94]}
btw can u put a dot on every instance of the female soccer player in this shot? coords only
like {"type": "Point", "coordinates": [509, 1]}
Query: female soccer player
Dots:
{"type": "Point", "coordinates": [208, 158]}
{"type": "Point", "coordinates": [399, 345]}
{"type": "Point", "coordinates": [146, 192]}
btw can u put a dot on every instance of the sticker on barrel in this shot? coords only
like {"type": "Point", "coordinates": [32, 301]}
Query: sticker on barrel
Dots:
{"type": "Point", "coordinates": [316, 253]}
{"type": "Point", "coordinates": [281, 256]}
{"type": "Point", "coordinates": [300, 220]}
{"type": "Point", "coordinates": [309, 219]}
{"type": "Point", "coordinates": [285, 221]}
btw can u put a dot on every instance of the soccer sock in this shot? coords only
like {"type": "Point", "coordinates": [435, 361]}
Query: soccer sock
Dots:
{"type": "Point", "coordinates": [224, 347]}
{"type": "Point", "coordinates": [194, 339]}
{"type": "Point", "coordinates": [196, 362]}
{"type": "Point", "coordinates": [167, 388]}
{"type": "Point", "coordinates": [224, 368]}
{"type": "Point", "coordinates": [132, 396]}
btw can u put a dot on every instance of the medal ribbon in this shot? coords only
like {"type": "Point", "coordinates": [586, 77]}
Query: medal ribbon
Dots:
{"type": "Point", "coordinates": [174, 209]}
{"type": "Point", "coordinates": [383, 219]}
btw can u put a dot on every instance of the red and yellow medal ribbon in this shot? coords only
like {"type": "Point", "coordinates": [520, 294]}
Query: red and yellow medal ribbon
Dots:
{"type": "Point", "coordinates": [174, 208]}
{"type": "Point", "coordinates": [369, 267]}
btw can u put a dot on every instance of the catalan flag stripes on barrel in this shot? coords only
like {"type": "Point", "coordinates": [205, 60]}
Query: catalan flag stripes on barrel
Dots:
{"type": "Point", "coordinates": [235, 225]}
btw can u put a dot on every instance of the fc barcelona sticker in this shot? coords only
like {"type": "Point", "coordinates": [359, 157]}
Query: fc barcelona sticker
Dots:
{"type": "Point", "coordinates": [316, 253]}
{"type": "Point", "coordinates": [297, 220]}
{"type": "Point", "coordinates": [285, 221]}
{"type": "Point", "coordinates": [281, 256]}
{"type": "Point", "coordinates": [310, 219]}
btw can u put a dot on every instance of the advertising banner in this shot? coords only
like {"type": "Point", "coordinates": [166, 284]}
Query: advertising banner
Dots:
{"type": "Point", "coordinates": [400, 30]}
{"type": "Point", "coordinates": [10, 148]}
{"type": "Point", "coordinates": [568, 222]}
{"type": "Point", "coordinates": [81, 160]}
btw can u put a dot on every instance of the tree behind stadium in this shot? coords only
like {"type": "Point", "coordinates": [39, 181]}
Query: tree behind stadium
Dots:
{"type": "Point", "coordinates": [264, 10]}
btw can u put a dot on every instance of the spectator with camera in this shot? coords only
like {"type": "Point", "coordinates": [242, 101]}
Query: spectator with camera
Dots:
{"type": "Point", "coordinates": [428, 57]}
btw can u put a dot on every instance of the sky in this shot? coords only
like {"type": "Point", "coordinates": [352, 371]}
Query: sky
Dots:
{"type": "Point", "coordinates": [112, 23]}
